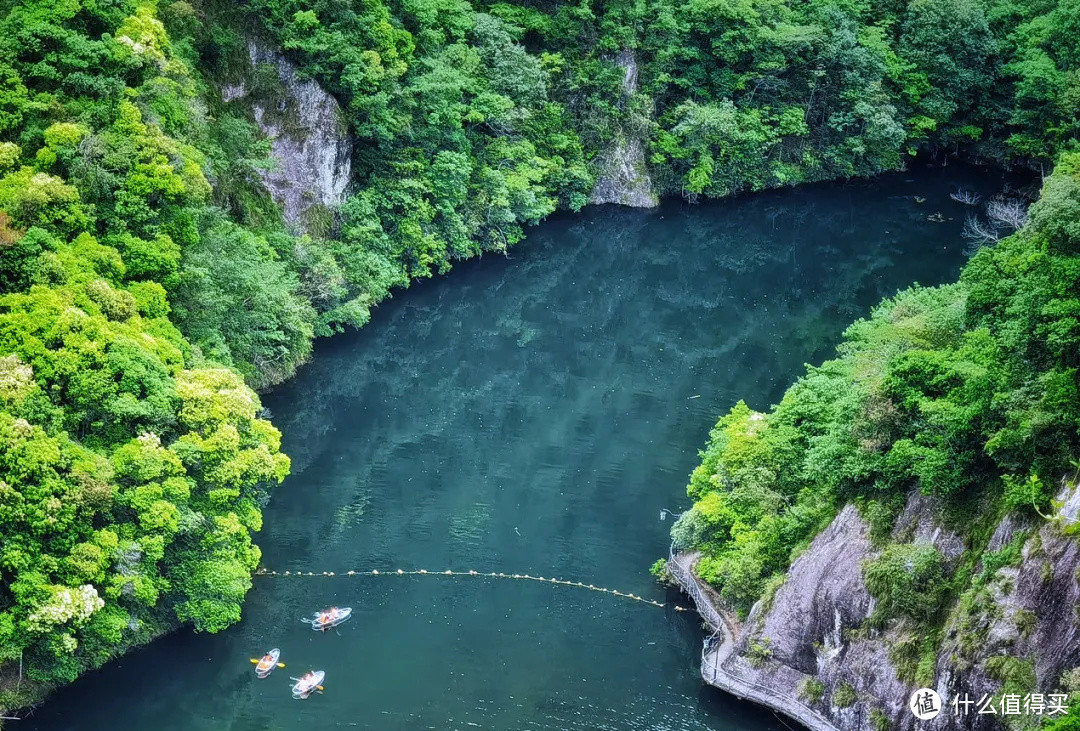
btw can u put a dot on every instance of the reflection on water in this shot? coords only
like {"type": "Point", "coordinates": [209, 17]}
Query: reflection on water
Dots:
{"type": "Point", "coordinates": [530, 415]}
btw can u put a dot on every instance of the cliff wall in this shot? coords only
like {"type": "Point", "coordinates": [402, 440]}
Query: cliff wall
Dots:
{"type": "Point", "coordinates": [812, 648]}
{"type": "Point", "coordinates": [622, 174]}
{"type": "Point", "coordinates": [308, 135]}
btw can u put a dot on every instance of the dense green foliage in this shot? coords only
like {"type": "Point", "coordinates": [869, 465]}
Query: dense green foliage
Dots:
{"type": "Point", "coordinates": [140, 261]}
{"type": "Point", "coordinates": [969, 392]}
{"type": "Point", "coordinates": [147, 281]}
{"type": "Point", "coordinates": [760, 93]}
{"type": "Point", "coordinates": [132, 468]}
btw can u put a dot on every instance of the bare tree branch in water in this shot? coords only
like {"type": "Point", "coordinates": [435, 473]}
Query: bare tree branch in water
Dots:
{"type": "Point", "coordinates": [966, 197]}
{"type": "Point", "coordinates": [1002, 213]}
{"type": "Point", "coordinates": [979, 233]}
{"type": "Point", "coordinates": [1009, 212]}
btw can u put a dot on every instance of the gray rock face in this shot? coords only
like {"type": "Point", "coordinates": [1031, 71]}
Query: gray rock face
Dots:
{"type": "Point", "coordinates": [808, 622]}
{"type": "Point", "coordinates": [622, 175]}
{"type": "Point", "coordinates": [917, 524]}
{"type": "Point", "coordinates": [824, 593]}
{"type": "Point", "coordinates": [815, 629]}
{"type": "Point", "coordinates": [1028, 611]}
{"type": "Point", "coordinates": [308, 136]}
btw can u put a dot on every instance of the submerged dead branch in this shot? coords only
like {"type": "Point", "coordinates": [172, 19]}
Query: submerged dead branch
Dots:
{"type": "Point", "coordinates": [979, 232]}
{"type": "Point", "coordinates": [1002, 215]}
{"type": "Point", "coordinates": [967, 197]}
{"type": "Point", "coordinates": [1010, 212]}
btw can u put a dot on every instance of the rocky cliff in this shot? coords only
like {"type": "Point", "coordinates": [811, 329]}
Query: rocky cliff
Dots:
{"type": "Point", "coordinates": [622, 175]}
{"type": "Point", "coordinates": [811, 647]}
{"type": "Point", "coordinates": [308, 135]}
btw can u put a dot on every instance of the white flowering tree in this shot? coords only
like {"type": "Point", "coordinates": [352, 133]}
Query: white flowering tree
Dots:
{"type": "Point", "coordinates": [66, 609]}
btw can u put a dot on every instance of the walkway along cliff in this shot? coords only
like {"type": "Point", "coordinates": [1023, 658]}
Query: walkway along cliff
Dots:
{"type": "Point", "coordinates": [717, 668]}
{"type": "Point", "coordinates": [809, 652]}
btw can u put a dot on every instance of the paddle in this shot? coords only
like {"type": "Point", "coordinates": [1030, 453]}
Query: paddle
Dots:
{"type": "Point", "coordinates": [256, 661]}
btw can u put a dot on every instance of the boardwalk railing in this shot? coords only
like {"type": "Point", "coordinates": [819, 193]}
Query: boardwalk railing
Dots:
{"type": "Point", "coordinates": [719, 650]}
{"type": "Point", "coordinates": [681, 567]}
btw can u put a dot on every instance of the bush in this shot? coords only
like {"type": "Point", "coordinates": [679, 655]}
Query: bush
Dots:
{"type": "Point", "coordinates": [661, 573]}
{"type": "Point", "coordinates": [844, 695]}
{"type": "Point", "coordinates": [811, 690]}
{"type": "Point", "coordinates": [758, 651]}
{"type": "Point", "coordinates": [1027, 495]}
{"type": "Point", "coordinates": [1026, 621]}
{"type": "Point", "coordinates": [907, 580]}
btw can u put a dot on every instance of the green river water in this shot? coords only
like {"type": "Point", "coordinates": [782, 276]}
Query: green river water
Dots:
{"type": "Point", "coordinates": [530, 414]}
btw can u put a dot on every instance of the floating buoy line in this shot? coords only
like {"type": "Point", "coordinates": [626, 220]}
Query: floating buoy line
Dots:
{"type": "Point", "coordinates": [476, 574]}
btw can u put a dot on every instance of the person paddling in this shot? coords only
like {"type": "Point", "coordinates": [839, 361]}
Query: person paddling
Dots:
{"type": "Point", "coordinates": [329, 618]}
{"type": "Point", "coordinates": [308, 684]}
{"type": "Point", "coordinates": [266, 664]}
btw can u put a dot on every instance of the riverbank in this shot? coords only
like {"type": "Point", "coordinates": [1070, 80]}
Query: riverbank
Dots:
{"type": "Point", "coordinates": [531, 414]}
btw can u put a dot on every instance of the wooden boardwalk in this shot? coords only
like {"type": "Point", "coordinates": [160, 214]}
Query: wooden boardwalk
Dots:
{"type": "Point", "coordinates": [720, 647]}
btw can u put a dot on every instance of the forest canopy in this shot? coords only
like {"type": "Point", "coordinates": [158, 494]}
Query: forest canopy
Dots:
{"type": "Point", "coordinates": [149, 285]}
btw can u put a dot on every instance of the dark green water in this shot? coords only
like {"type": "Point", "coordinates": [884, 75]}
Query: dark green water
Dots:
{"type": "Point", "coordinates": [533, 415]}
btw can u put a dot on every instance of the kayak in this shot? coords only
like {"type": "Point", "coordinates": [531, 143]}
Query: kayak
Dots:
{"type": "Point", "coordinates": [329, 619]}
{"type": "Point", "coordinates": [307, 684]}
{"type": "Point", "coordinates": [268, 662]}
